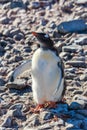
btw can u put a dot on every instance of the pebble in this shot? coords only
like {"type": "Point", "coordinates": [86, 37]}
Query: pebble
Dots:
{"type": "Point", "coordinates": [46, 115]}
{"type": "Point", "coordinates": [4, 20]}
{"type": "Point", "coordinates": [19, 37]}
{"type": "Point", "coordinates": [18, 84]}
{"type": "Point", "coordinates": [70, 49]}
{"type": "Point", "coordinates": [81, 1]}
{"type": "Point", "coordinates": [9, 120]}
{"type": "Point", "coordinates": [33, 121]}
{"type": "Point", "coordinates": [83, 77]}
{"type": "Point", "coordinates": [77, 63]}
{"type": "Point", "coordinates": [72, 26]}
{"type": "Point", "coordinates": [81, 41]}
{"type": "Point", "coordinates": [2, 82]}
{"type": "Point", "coordinates": [76, 105]}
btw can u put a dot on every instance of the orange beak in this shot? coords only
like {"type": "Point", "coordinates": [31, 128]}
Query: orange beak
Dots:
{"type": "Point", "coordinates": [34, 33]}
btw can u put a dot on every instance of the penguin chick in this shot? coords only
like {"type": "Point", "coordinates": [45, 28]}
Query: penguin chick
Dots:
{"type": "Point", "coordinates": [47, 73]}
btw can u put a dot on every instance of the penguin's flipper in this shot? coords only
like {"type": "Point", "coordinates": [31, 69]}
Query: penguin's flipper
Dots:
{"type": "Point", "coordinates": [20, 69]}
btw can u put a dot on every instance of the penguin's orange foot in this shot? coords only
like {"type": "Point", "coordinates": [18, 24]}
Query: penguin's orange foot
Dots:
{"type": "Point", "coordinates": [37, 108]}
{"type": "Point", "coordinates": [50, 104]}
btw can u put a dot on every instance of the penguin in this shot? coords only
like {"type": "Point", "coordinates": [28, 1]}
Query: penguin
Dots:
{"type": "Point", "coordinates": [47, 73]}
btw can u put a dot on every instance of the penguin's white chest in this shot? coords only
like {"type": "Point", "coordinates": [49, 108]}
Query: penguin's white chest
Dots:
{"type": "Point", "coordinates": [45, 75]}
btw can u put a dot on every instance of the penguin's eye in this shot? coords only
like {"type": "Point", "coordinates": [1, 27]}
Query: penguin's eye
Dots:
{"type": "Point", "coordinates": [46, 35]}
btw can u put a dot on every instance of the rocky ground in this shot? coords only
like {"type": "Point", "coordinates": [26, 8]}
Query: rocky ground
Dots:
{"type": "Point", "coordinates": [17, 19]}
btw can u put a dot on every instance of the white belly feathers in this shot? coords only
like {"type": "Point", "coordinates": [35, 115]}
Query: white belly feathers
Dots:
{"type": "Point", "coordinates": [46, 76]}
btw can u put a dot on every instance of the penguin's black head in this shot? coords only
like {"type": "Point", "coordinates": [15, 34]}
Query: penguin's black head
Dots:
{"type": "Point", "coordinates": [44, 39]}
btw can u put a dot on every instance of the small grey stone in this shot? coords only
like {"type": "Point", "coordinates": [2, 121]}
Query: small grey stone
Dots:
{"type": "Point", "coordinates": [2, 82]}
{"type": "Point", "coordinates": [77, 92]}
{"type": "Point", "coordinates": [83, 77]}
{"type": "Point", "coordinates": [2, 111]}
{"type": "Point", "coordinates": [19, 4]}
{"type": "Point", "coordinates": [7, 5]}
{"type": "Point", "coordinates": [35, 5]}
{"type": "Point", "coordinates": [33, 121]}
{"type": "Point", "coordinates": [9, 120]}
{"type": "Point", "coordinates": [16, 106]}
{"type": "Point", "coordinates": [81, 1]}
{"type": "Point", "coordinates": [2, 49]}
{"type": "Point", "coordinates": [18, 84]}
{"type": "Point", "coordinates": [15, 59]}
{"type": "Point", "coordinates": [69, 75]}
{"type": "Point", "coordinates": [2, 89]}
{"type": "Point", "coordinates": [18, 113]}
{"type": "Point", "coordinates": [4, 20]}
{"type": "Point", "coordinates": [71, 49]}
{"type": "Point", "coordinates": [77, 63]}
{"type": "Point", "coordinates": [53, 25]}
{"type": "Point", "coordinates": [83, 100]}
{"type": "Point", "coordinates": [3, 43]}
{"type": "Point", "coordinates": [11, 41]}
{"type": "Point", "coordinates": [14, 32]}
{"type": "Point", "coordinates": [44, 22]}
{"type": "Point", "coordinates": [7, 55]}
{"type": "Point", "coordinates": [46, 115]}
{"type": "Point", "coordinates": [81, 41]}
{"type": "Point", "coordinates": [19, 37]}
{"type": "Point", "coordinates": [8, 47]}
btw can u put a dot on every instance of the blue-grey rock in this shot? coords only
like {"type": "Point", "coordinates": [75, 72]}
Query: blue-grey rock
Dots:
{"type": "Point", "coordinates": [76, 63]}
{"type": "Point", "coordinates": [72, 26]}
{"type": "Point", "coordinates": [33, 121]}
{"type": "Point", "coordinates": [76, 105]}
{"type": "Point", "coordinates": [14, 32]}
{"type": "Point", "coordinates": [53, 25]}
{"type": "Point", "coordinates": [19, 37]}
{"type": "Point", "coordinates": [16, 106]}
{"type": "Point", "coordinates": [3, 43]}
{"type": "Point", "coordinates": [2, 51]}
{"type": "Point", "coordinates": [4, 20]}
{"type": "Point", "coordinates": [35, 5]}
{"type": "Point", "coordinates": [9, 120]}
{"type": "Point", "coordinates": [18, 113]}
{"type": "Point", "coordinates": [10, 41]}
{"type": "Point", "coordinates": [15, 59]}
{"type": "Point", "coordinates": [70, 49]}
{"type": "Point", "coordinates": [61, 109]}
{"type": "Point", "coordinates": [44, 22]}
{"type": "Point", "coordinates": [18, 84]}
{"type": "Point", "coordinates": [79, 116]}
{"type": "Point", "coordinates": [20, 4]}
{"type": "Point", "coordinates": [8, 47]}
{"type": "Point", "coordinates": [2, 82]}
{"type": "Point", "coordinates": [85, 124]}
{"type": "Point", "coordinates": [27, 49]}
{"type": "Point", "coordinates": [81, 2]}
{"type": "Point", "coordinates": [83, 77]}
{"type": "Point", "coordinates": [45, 115]}
{"type": "Point", "coordinates": [76, 124]}
{"type": "Point", "coordinates": [81, 41]}
{"type": "Point", "coordinates": [83, 112]}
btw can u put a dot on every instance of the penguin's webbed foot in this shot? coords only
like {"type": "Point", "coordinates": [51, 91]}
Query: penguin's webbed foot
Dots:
{"type": "Point", "coordinates": [50, 104]}
{"type": "Point", "coordinates": [37, 108]}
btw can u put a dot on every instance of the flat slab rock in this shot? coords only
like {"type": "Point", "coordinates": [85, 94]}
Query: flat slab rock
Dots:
{"type": "Point", "coordinates": [18, 84]}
